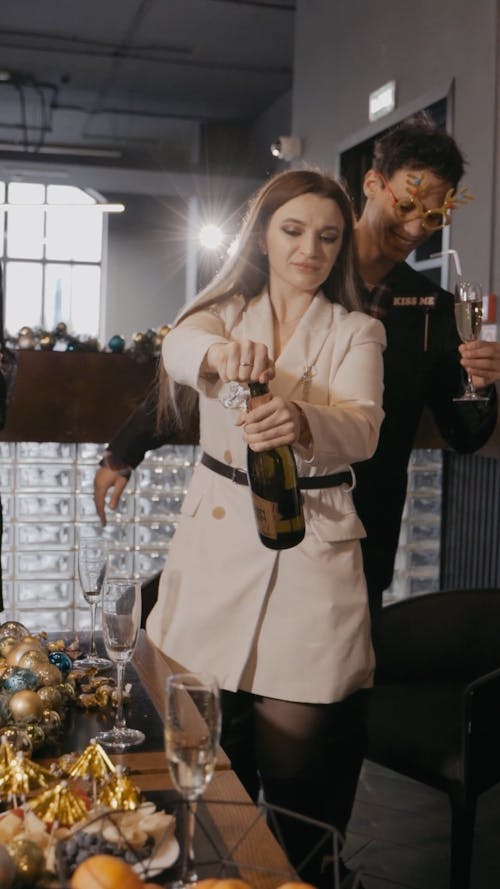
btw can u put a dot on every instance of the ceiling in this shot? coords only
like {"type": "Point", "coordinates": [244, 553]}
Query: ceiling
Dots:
{"type": "Point", "coordinates": [163, 84]}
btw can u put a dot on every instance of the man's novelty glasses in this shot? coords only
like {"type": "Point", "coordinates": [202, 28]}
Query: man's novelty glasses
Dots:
{"type": "Point", "coordinates": [411, 206]}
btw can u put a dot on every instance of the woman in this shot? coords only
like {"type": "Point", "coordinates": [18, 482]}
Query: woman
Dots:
{"type": "Point", "coordinates": [286, 633]}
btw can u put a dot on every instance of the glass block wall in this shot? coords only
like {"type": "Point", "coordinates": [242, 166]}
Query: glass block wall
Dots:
{"type": "Point", "coordinates": [417, 568]}
{"type": "Point", "coordinates": [46, 492]}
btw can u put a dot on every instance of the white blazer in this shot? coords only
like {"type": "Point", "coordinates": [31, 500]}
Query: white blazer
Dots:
{"type": "Point", "coordinates": [292, 624]}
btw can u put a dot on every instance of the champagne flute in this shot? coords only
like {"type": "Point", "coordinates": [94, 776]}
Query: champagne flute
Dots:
{"type": "Point", "coordinates": [192, 732]}
{"type": "Point", "coordinates": [468, 317]}
{"type": "Point", "coordinates": [92, 569]}
{"type": "Point", "coordinates": [121, 617]}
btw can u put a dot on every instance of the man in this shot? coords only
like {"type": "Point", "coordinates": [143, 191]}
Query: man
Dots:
{"type": "Point", "coordinates": [410, 193]}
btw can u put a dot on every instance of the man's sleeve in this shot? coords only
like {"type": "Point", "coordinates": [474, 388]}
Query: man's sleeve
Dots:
{"type": "Point", "coordinates": [139, 433]}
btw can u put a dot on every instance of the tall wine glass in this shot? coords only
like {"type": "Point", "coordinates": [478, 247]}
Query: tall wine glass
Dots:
{"type": "Point", "coordinates": [192, 732]}
{"type": "Point", "coordinates": [469, 317]}
{"type": "Point", "coordinates": [92, 569]}
{"type": "Point", "coordinates": [121, 618]}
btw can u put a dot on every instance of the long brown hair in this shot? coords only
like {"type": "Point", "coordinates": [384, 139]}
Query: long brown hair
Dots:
{"type": "Point", "coordinates": [246, 272]}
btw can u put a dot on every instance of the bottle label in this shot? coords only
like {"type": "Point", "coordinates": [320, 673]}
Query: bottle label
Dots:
{"type": "Point", "coordinates": [267, 516]}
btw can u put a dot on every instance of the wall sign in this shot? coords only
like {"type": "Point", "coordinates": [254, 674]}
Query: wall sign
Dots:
{"type": "Point", "coordinates": [382, 101]}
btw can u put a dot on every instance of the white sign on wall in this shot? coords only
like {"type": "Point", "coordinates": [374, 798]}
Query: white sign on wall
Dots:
{"type": "Point", "coordinates": [382, 101]}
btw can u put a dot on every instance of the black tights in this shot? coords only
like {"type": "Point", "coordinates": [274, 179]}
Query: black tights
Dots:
{"type": "Point", "coordinates": [306, 758]}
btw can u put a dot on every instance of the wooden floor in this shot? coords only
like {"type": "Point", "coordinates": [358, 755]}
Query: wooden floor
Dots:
{"type": "Point", "coordinates": [400, 832]}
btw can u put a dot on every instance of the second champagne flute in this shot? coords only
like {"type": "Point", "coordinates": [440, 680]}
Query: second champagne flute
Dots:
{"type": "Point", "coordinates": [92, 569]}
{"type": "Point", "coordinates": [121, 619]}
{"type": "Point", "coordinates": [192, 732]}
{"type": "Point", "coordinates": [469, 317]}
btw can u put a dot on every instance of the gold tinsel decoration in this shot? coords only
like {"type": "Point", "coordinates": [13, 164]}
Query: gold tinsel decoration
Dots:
{"type": "Point", "coordinates": [60, 805]}
{"type": "Point", "coordinates": [120, 792]}
{"type": "Point", "coordinates": [7, 754]}
{"type": "Point", "coordinates": [22, 775]}
{"type": "Point", "coordinates": [94, 762]}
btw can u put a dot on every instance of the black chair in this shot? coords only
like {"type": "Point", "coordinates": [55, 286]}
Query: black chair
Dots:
{"type": "Point", "coordinates": [434, 713]}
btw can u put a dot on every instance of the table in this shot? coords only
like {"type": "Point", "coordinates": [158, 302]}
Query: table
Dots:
{"type": "Point", "coordinates": [246, 846]}
{"type": "Point", "coordinates": [152, 668]}
{"type": "Point", "coordinates": [147, 675]}
{"type": "Point", "coordinates": [226, 808]}
{"type": "Point", "coordinates": [228, 804]}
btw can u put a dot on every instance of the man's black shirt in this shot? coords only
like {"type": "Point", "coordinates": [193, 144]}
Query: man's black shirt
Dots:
{"type": "Point", "coordinates": [421, 369]}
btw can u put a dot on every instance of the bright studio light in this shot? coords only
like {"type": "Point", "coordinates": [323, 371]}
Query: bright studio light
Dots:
{"type": "Point", "coordinates": [210, 237]}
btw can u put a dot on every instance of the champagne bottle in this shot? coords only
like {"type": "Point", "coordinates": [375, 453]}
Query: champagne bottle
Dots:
{"type": "Point", "coordinates": [276, 497]}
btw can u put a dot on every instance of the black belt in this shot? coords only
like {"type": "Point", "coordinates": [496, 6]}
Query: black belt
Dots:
{"type": "Point", "coordinates": [240, 477]}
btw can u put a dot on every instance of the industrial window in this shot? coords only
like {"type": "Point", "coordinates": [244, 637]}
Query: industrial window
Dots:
{"type": "Point", "coordinates": [51, 246]}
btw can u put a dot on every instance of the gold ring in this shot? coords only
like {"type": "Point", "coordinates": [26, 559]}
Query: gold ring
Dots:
{"type": "Point", "coordinates": [245, 364]}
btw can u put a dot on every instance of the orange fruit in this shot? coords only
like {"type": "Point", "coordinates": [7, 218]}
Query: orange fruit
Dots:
{"type": "Point", "coordinates": [105, 872]}
{"type": "Point", "coordinates": [222, 883]}
{"type": "Point", "coordinates": [209, 883]}
{"type": "Point", "coordinates": [296, 885]}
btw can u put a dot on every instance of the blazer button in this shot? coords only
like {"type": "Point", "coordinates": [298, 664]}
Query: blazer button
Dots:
{"type": "Point", "coordinates": [228, 457]}
{"type": "Point", "coordinates": [218, 512]}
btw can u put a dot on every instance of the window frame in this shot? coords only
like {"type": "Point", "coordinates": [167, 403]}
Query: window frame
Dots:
{"type": "Point", "coordinates": [88, 201]}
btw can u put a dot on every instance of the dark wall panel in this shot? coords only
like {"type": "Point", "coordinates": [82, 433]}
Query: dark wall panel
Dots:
{"type": "Point", "coordinates": [470, 543]}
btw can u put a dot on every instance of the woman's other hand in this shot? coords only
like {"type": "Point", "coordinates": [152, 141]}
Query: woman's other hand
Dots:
{"type": "Point", "coordinates": [240, 362]}
{"type": "Point", "coordinates": [271, 423]}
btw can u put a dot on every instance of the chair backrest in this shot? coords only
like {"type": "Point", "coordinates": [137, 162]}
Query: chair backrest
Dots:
{"type": "Point", "coordinates": [453, 635]}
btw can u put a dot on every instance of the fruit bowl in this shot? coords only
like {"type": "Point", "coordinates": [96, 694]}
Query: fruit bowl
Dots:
{"type": "Point", "coordinates": [144, 838]}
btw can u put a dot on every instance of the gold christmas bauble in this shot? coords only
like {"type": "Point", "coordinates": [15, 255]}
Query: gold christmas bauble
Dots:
{"type": "Point", "coordinates": [8, 671]}
{"type": "Point", "coordinates": [25, 706]}
{"type": "Point", "coordinates": [26, 338]}
{"type": "Point", "coordinates": [18, 738]}
{"type": "Point", "coordinates": [13, 628]}
{"type": "Point", "coordinates": [48, 674]}
{"type": "Point", "coordinates": [29, 643]}
{"type": "Point", "coordinates": [47, 342]}
{"type": "Point", "coordinates": [36, 734]}
{"type": "Point", "coordinates": [29, 862]}
{"type": "Point", "coordinates": [33, 658]}
{"type": "Point", "coordinates": [51, 720]}
{"type": "Point", "coordinates": [68, 690]}
{"type": "Point", "coordinates": [11, 632]}
{"type": "Point", "coordinates": [7, 643]}
{"type": "Point", "coordinates": [50, 696]}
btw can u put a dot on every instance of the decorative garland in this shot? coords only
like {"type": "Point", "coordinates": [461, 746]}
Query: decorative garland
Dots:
{"type": "Point", "coordinates": [38, 684]}
{"type": "Point", "coordinates": [143, 345]}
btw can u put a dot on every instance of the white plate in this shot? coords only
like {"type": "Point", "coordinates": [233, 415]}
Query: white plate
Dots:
{"type": "Point", "coordinates": [163, 855]}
